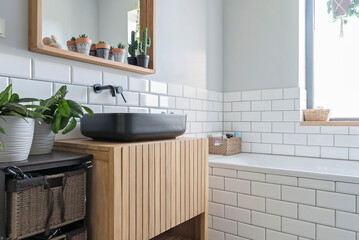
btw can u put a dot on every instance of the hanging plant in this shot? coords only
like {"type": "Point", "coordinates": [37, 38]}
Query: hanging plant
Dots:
{"type": "Point", "coordinates": [341, 10]}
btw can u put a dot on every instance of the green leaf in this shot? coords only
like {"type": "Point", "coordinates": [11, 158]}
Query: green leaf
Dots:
{"type": "Point", "coordinates": [76, 109]}
{"type": "Point", "coordinates": [64, 108]}
{"type": "Point", "coordinates": [8, 91]}
{"type": "Point", "coordinates": [12, 113]}
{"type": "Point", "coordinates": [37, 107]}
{"type": "Point", "coordinates": [35, 115]}
{"type": "Point", "coordinates": [70, 127]}
{"type": "Point", "coordinates": [64, 122]}
{"type": "Point", "coordinates": [28, 100]}
{"type": "Point", "coordinates": [55, 125]}
{"type": "Point", "coordinates": [14, 98]}
{"type": "Point", "coordinates": [1, 148]}
{"type": "Point", "coordinates": [17, 108]}
{"type": "Point", "coordinates": [88, 110]}
{"type": "Point", "coordinates": [4, 100]}
{"type": "Point", "coordinates": [2, 130]}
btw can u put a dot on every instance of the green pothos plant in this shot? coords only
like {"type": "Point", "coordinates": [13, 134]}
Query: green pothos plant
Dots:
{"type": "Point", "coordinates": [352, 10]}
{"type": "Point", "coordinates": [11, 105]}
{"type": "Point", "coordinates": [62, 113]}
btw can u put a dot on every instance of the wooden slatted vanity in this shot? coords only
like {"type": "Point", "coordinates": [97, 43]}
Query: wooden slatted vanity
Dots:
{"type": "Point", "coordinates": [148, 190]}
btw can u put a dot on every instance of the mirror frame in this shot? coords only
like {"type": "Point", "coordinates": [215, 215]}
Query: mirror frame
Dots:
{"type": "Point", "coordinates": [147, 18]}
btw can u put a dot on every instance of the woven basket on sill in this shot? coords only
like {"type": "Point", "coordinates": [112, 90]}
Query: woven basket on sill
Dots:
{"type": "Point", "coordinates": [316, 114]}
{"type": "Point", "coordinates": [225, 147]}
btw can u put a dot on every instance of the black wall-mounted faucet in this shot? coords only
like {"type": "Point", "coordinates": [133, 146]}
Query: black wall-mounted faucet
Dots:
{"type": "Point", "coordinates": [98, 88]}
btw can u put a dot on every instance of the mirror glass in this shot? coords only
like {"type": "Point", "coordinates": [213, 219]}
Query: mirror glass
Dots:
{"type": "Point", "coordinates": [111, 21]}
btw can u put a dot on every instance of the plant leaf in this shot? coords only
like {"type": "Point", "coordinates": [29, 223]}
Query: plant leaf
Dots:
{"type": "Point", "coordinates": [76, 109]}
{"type": "Point", "coordinates": [2, 131]}
{"type": "Point", "coordinates": [8, 91]}
{"type": "Point", "coordinates": [64, 122]}
{"type": "Point", "coordinates": [12, 113]}
{"type": "Point", "coordinates": [35, 115]}
{"type": "Point", "coordinates": [28, 100]}
{"type": "Point", "coordinates": [55, 125]}
{"type": "Point", "coordinates": [14, 98]}
{"type": "Point", "coordinates": [37, 107]}
{"type": "Point", "coordinates": [64, 108]}
{"type": "Point", "coordinates": [70, 127]}
{"type": "Point", "coordinates": [4, 100]}
{"type": "Point", "coordinates": [20, 109]}
{"type": "Point", "coordinates": [1, 148]}
{"type": "Point", "coordinates": [88, 110]}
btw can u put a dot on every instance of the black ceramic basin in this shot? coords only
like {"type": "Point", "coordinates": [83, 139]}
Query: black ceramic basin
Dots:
{"type": "Point", "coordinates": [130, 127]}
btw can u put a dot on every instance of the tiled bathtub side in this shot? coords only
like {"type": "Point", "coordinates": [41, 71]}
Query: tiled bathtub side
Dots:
{"type": "Point", "coordinates": [40, 79]}
{"type": "Point", "coordinates": [259, 206]}
{"type": "Point", "coordinates": [269, 122]}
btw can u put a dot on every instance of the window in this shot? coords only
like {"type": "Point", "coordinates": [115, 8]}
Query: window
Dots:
{"type": "Point", "coordinates": [332, 61]}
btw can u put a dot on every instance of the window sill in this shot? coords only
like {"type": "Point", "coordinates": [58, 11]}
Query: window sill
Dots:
{"type": "Point", "coordinates": [331, 123]}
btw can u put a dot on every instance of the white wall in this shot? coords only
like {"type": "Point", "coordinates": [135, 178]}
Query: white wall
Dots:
{"type": "Point", "coordinates": [182, 55]}
{"type": "Point", "coordinates": [261, 44]}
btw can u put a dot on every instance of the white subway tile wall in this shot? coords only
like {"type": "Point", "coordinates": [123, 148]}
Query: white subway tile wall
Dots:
{"type": "Point", "coordinates": [40, 79]}
{"type": "Point", "coordinates": [267, 206]}
{"type": "Point", "coordinates": [269, 122]}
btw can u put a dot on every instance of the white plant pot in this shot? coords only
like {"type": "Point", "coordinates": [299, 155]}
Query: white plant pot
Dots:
{"type": "Point", "coordinates": [83, 48]}
{"type": "Point", "coordinates": [119, 56]}
{"type": "Point", "coordinates": [18, 139]}
{"type": "Point", "coordinates": [43, 139]}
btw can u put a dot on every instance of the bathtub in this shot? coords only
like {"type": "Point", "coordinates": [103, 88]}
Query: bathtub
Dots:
{"type": "Point", "coordinates": [269, 197]}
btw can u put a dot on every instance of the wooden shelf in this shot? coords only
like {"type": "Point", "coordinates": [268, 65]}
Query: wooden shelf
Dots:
{"type": "Point", "coordinates": [332, 123]}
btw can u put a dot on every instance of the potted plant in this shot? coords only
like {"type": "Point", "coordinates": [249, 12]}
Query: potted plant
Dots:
{"type": "Point", "coordinates": [16, 126]}
{"type": "Point", "coordinates": [71, 45]}
{"type": "Point", "coordinates": [143, 59]}
{"type": "Point", "coordinates": [93, 50]}
{"type": "Point", "coordinates": [60, 114]}
{"type": "Point", "coordinates": [132, 48]}
{"type": "Point", "coordinates": [119, 53]}
{"type": "Point", "coordinates": [83, 44]}
{"type": "Point", "coordinates": [110, 55]}
{"type": "Point", "coordinates": [343, 9]}
{"type": "Point", "coordinates": [102, 49]}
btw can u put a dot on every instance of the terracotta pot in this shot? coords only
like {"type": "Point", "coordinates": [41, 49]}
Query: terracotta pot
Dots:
{"type": "Point", "coordinates": [83, 45]}
{"type": "Point", "coordinates": [43, 139]}
{"type": "Point", "coordinates": [110, 55]}
{"type": "Point", "coordinates": [18, 139]}
{"type": "Point", "coordinates": [71, 46]}
{"type": "Point", "coordinates": [93, 51]}
{"type": "Point", "coordinates": [102, 50]}
{"type": "Point", "coordinates": [103, 45]}
{"type": "Point", "coordinates": [119, 54]}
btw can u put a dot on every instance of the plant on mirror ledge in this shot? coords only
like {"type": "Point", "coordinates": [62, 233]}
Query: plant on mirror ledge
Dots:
{"type": "Point", "coordinates": [16, 125]}
{"type": "Point", "coordinates": [102, 49]}
{"type": "Point", "coordinates": [83, 44]}
{"type": "Point", "coordinates": [143, 59]}
{"type": "Point", "coordinates": [119, 53]}
{"type": "Point", "coordinates": [110, 55]}
{"type": "Point", "coordinates": [93, 50]}
{"type": "Point", "coordinates": [132, 48]}
{"type": "Point", "coordinates": [71, 45]}
{"type": "Point", "coordinates": [60, 115]}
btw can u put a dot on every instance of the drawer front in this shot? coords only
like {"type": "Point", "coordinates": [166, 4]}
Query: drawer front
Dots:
{"type": "Point", "coordinates": [162, 185]}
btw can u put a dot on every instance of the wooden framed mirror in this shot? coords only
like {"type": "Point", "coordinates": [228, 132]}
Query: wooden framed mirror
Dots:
{"type": "Point", "coordinates": [39, 9]}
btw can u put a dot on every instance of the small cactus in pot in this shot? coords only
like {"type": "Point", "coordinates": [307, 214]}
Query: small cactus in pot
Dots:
{"type": "Point", "coordinates": [93, 50]}
{"type": "Point", "coordinates": [119, 53]}
{"type": "Point", "coordinates": [102, 49]}
{"type": "Point", "coordinates": [110, 55]}
{"type": "Point", "coordinates": [83, 44]}
{"type": "Point", "coordinates": [143, 59]}
{"type": "Point", "coordinates": [132, 48]}
{"type": "Point", "coordinates": [71, 45]}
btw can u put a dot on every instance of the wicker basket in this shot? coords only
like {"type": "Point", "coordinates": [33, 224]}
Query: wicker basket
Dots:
{"type": "Point", "coordinates": [79, 233]}
{"type": "Point", "coordinates": [225, 147]}
{"type": "Point", "coordinates": [316, 114]}
{"type": "Point", "coordinates": [39, 204]}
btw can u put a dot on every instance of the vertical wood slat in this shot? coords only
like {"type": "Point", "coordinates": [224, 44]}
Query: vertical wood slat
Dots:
{"type": "Point", "coordinates": [187, 180]}
{"type": "Point", "coordinates": [178, 182]}
{"type": "Point", "coordinates": [173, 184]}
{"type": "Point", "coordinates": [168, 184]}
{"type": "Point", "coordinates": [183, 182]}
{"type": "Point", "coordinates": [125, 192]}
{"type": "Point", "coordinates": [151, 163]}
{"type": "Point", "coordinates": [117, 185]}
{"type": "Point", "coordinates": [195, 177]}
{"type": "Point", "coordinates": [157, 189]}
{"type": "Point", "coordinates": [163, 187]}
{"type": "Point", "coordinates": [132, 192]}
{"type": "Point", "coordinates": [191, 180]}
{"type": "Point", "coordinates": [145, 170]}
{"type": "Point", "coordinates": [139, 189]}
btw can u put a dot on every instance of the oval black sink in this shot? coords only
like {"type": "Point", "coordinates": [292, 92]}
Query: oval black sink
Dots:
{"type": "Point", "coordinates": [129, 127]}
